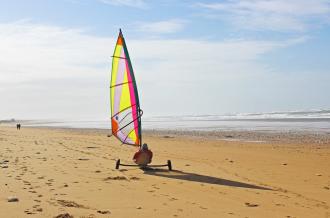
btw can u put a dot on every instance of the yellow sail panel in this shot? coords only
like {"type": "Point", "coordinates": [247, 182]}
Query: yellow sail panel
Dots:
{"type": "Point", "coordinates": [125, 99]}
{"type": "Point", "coordinates": [133, 136]}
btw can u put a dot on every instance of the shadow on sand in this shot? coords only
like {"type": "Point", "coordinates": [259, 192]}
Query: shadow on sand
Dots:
{"type": "Point", "coordinates": [180, 175]}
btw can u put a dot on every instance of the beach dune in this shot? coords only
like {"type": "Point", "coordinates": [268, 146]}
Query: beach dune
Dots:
{"type": "Point", "coordinates": [48, 172]}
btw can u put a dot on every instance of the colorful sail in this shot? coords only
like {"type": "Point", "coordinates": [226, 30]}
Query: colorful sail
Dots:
{"type": "Point", "coordinates": [125, 107]}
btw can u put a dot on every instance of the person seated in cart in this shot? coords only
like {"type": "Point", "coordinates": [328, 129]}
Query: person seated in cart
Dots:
{"type": "Point", "coordinates": [143, 156]}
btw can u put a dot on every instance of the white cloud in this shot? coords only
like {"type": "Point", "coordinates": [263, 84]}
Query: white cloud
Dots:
{"type": "Point", "coordinates": [42, 65]}
{"type": "Point", "coordinates": [160, 27]}
{"type": "Point", "coordinates": [282, 15]}
{"type": "Point", "coordinates": [40, 51]}
{"type": "Point", "coordinates": [129, 3]}
{"type": "Point", "coordinates": [54, 72]}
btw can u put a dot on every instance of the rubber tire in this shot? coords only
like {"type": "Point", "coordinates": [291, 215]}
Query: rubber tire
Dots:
{"type": "Point", "coordinates": [169, 164]}
{"type": "Point", "coordinates": [117, 164]}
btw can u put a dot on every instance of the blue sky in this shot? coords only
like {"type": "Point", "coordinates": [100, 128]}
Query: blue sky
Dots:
{"type": "Point", "coordinates": [189, 56]}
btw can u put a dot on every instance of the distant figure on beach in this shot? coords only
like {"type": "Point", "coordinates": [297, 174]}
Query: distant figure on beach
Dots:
{"type": "Point", "coordinates": [18, 126]}
{"type": "Point", "coordinates": [143, 156]}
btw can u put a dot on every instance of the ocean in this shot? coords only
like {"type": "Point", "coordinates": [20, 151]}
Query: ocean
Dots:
{"type": "Point", "coordinates": [312, 120]}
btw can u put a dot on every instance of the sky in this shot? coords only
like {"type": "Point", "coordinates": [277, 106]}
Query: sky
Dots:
{"type": "Point", "coordinates": [190, 57]}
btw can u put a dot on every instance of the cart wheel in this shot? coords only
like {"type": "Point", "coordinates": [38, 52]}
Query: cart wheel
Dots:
{"type": "Point", "coordinates": [117, 164]}
{"type": "Point", "coordinates": [169, 164]}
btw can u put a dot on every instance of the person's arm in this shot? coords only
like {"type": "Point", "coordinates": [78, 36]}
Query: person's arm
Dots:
{"type": "Point", "coordinates": [136, 155]}
{"type": "Point", "coordinates": [151, 154]}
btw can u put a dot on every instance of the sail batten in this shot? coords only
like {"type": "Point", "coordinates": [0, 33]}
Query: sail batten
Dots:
{"type": "Point", "coordinates": [119, 84]}
{"type": "Point", "coordinates": [125, 107]}
{"type": "Point", "coordinates": [118, 57]}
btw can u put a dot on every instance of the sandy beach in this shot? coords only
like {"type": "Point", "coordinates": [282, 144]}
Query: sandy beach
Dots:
{"type": "Point", "coordinates": [48, 172]}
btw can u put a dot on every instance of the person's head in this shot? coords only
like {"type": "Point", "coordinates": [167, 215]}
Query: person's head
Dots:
{"type": "Point", "coordinates": [144, 147]}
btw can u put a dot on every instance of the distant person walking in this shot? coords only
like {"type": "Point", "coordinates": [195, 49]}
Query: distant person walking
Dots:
{"type": "Point", "coordinates": [18, 126]}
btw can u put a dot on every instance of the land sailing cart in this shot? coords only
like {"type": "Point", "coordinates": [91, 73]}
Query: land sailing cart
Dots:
{"type": "Point", "coordinates": [124, 102]}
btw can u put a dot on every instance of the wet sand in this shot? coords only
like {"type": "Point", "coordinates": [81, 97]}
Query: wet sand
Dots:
{"type": "Point", "coordinates": [57, 171]}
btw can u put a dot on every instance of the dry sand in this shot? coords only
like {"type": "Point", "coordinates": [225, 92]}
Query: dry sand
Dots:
{"type": "Point", "coordinates": [58, 171]}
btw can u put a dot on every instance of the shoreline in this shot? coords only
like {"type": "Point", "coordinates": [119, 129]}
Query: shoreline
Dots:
{"type": "Point", "coordinates": [258, 136]}
{"type": "Point", "coordinates": [254, 136]}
